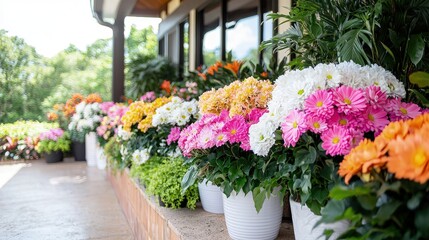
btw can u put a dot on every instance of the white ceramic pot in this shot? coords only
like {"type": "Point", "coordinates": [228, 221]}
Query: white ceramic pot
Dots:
{"type": "Point", "coordinates": [101, 158]}
{"type": "Point", "coordinates": [211, 197]}
{"type": "Point", "coordinates": [243, 222]}
{"type": "Point", "coordinates": [304, 220]}
{"type": "Point", "coordinates": [91, 149]}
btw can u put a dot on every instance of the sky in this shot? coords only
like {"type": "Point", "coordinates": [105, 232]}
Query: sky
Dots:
{"type": "Point", "coordinates": [52, 25]}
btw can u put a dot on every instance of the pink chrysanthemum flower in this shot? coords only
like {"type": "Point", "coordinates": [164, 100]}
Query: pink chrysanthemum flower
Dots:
{"type": "Point", "coordinates": [404, 111]}
{"type": "Point", "coordinates": [206, 138]}
{"type": "Point", "coordinates": [220, 139]}
{"type": "Point", "coordinates": [349, 100]}
{"type": "Point", "coordinates": [375, 119]}
{"type": "Point", "coordinates": [342, 120]}
{"type": "Point", "coordinates": [245, 144]}
{"type": "Point", "coordinates": [293, 127]}
{"type": "Point", "coordinates": [174, 135]}
{"type": "Point", "coordinates": [375, 97]}
{"type": "Point", "coordinates": [315, 124]}
{"type": "Point", "coordinates": [320, 104]}
{"type": "Point", "coordinates": [255, 114]}
{"type": "Point", "coordinates": [336, 141]}
{"type": "Point", "coordinates": [236, 129]}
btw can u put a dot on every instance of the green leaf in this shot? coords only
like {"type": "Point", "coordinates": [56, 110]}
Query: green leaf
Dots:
{"type": "Point", "coordinates": [414, 201]}
{"type": "Point", "coordinates": [305, 156]}
{"type": "Point", "coordinates": [420, 78]}
{"type": "Point", "coordinates": [386, 210]}
{"type": "Point", "coordinates": [423, 100]}
{"type": "Point", "coordinates": [341, 192]}
{"type": "Point", "coordinates": [259, 196]}
{"type": "Point", "coordinates": [189, 178]}
{"type": "Point", "coordinates": [239, 183]}
{"type": "Point", "coordinates": [422, 222]}
{"type": "Point", "coordinates": [333, 210]}
{"type": "Point", "coordinates": [368, 202]}
{"type": "Point", "coordinates": [416, 48]}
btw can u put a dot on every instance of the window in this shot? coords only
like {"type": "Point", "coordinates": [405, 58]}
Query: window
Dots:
{"type": "Point", "coordinates": [161, 47]}
{"type": "Point", "coordinates": [184, 48]}
{"type": "Point", "coordinates": [211, 34]}
{"type": "Point", "coordinates": [245, 23]}
{"type": "Point", "coordinates": [242, 29]}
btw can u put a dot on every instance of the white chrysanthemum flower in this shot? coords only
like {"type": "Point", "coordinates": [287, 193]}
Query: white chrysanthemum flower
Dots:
{"type": "Point", "coordinates": [396, 88]}
{"type": "Point", "coordinates": [124, 152]}
{"type": "Point", "coordinates": [176, 100]}
{"type": "Point", "coordinates": [262, 137]}
{"type": "Point", "coordinates": [159, 119]}
{"type": "Point", "coordinates": [350, 72]}
{"type": "Point", "coordinates": [122, 134]}
{"type": "Point", "coordinates": [191, 107]}
{"type": "Point", "coordinates": [80, 107]}
{"type": "Point", "coordinates": [140, 156]}
{"type": "Point", "coordinates": [72, 125]}
{"type": "Point", "coordinates": [329, 74]}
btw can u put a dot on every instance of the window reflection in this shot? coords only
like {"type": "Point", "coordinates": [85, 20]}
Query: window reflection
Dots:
{"type": "Point", "coordinates": [242, 29]}
{"type": "Point", "coordinates": [211, 34]}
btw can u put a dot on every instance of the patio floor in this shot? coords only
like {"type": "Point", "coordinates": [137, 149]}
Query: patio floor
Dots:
{"type": "Point", "coordinates": [66, 200]}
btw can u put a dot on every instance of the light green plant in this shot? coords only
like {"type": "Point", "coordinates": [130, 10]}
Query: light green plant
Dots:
{"type": "Point", "coordinates": [165, 181]}
{"type": "Point", "coordinates": [61, 144]}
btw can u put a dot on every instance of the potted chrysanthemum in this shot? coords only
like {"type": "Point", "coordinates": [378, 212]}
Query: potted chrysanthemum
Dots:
{"type": "Point", "coordinates": [217, 146]}
{"type": "Point", "coordinates": [52, 144]}
{"type": "Point", "coordinates": [386, 189]}
{"type": "Point", "coordinates": [320, 114]}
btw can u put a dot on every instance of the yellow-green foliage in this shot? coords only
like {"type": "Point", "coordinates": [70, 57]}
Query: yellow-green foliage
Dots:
{"type": "Point", "coordinates": [23, 129]}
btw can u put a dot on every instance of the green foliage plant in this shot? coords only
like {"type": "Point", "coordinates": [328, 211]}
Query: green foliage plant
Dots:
{"type": "Point", "coordinates": [149, 75]}
{"type": "Point", "coordinates": [18, 139]}
{"type": "Point", "coordinates": [61, 144]}
{"type": "Point", "coordinates": [391, 33]}
{"type": "Point", "coordinates": [112, 150]}
{"type": "Point", "coordinates": [165, 181]}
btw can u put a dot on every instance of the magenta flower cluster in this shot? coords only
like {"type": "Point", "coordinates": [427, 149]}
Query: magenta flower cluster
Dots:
{"type": "Point", "coordinates": [342, 116]}
{"type": "Point", "coordinates": [53, 134]}
{"type": "Point", "coordinates": [215, 131]}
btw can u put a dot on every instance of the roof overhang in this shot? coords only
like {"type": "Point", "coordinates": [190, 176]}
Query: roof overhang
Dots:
{"type": "Point", "coordinates": [107, 11]}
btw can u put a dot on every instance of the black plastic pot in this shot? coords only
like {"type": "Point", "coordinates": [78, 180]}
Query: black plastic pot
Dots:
{"type": "Point", "coordinates": [53, 157]}
{"type": "Point", "coordinates": [78, 150]}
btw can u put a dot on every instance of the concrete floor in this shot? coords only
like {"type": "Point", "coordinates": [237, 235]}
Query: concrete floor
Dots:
{"type": "Point", "coordinates": [65, 200]}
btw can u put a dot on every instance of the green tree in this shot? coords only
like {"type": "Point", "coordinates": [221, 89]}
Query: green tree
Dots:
{"type": "Point", "coordinates": [19, 65]}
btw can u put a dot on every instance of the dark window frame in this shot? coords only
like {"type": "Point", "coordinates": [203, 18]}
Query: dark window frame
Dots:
{"type": "Point", "coordinates": [262, 6]}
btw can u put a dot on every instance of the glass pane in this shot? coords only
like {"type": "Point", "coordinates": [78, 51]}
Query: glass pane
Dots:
{"type": "Point", "coordinates": [185, 47]}
{"type": "Point", "coordinates": [211, 34]}
{"type": "Point", "coordinates": [266, 35]}
{"type": "Point", "coordinates": [242, 29]}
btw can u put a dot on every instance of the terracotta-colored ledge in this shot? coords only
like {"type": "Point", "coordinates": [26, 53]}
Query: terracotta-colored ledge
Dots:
{"type": "Point", "coordinates": [150, 221]}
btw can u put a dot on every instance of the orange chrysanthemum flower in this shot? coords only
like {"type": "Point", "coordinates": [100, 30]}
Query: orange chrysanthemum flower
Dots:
{"type": "Point", "coordinates": [264, 75]}
{"type": "Point", "coordinates": [409, 157]}
{"type": "Point", "coordinates": [93, 98]}
{"type": "Point", "coordinates": [233, 66]}
{"type": "Point", "coordinates": [361, 160]}
{"type": "Point", "coordinates": [70, 107]}
{"type": "Point", "coordinates": [52, 116]}
{"type": "Point", "coordinates": [214, 68]}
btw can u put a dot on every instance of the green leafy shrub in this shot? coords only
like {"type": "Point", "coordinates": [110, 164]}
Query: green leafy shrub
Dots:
{"type": "Point", "coordinates": [165, 181]}
{"type": "Point", "coordinates": [144, 171]}
{"type": "Point", "coordinates": [112, 150]}
{"type": "Point", "coordinates": [149, 76]}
